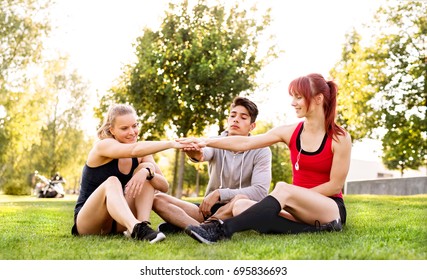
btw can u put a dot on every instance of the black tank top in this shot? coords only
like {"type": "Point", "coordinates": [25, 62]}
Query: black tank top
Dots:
{"type": "Point", "coordinates": [93, 177]}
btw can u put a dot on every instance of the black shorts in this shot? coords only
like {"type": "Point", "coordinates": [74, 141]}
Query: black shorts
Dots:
{"type": "Point", "coordinates": [341, 208]}
{"type": "Point", "coordinates": [113, 231]}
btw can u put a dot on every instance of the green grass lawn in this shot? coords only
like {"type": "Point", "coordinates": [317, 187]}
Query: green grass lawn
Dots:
{"type": "Point", "coordinates": [378, 228]}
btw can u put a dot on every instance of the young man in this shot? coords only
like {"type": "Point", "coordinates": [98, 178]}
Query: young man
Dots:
{"type": "Point", "coordinates": [232, 176]}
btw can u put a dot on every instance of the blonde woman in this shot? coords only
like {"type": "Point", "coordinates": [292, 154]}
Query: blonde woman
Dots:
{"type": "Point", "coordinates": [119, 180]}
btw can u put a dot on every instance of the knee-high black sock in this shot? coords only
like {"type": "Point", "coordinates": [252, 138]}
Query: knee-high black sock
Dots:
{"type": "Point", "coordinates": [255, 217]}
{"type": "Point", "coordinates": [263, 217]}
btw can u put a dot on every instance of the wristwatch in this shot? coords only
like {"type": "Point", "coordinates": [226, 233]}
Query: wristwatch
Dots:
{"type": "Point", "coordinates": [150, 174]}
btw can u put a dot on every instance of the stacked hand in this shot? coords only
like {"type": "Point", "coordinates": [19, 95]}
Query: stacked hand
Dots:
{"type": "Point", "coordinates": [192, 144]}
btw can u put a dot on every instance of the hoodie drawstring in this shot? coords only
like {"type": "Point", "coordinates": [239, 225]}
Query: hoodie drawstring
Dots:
{"type": "Point", "coordinates": [241, 170]}
{"type": "Point", "coordinates": [222, 170]}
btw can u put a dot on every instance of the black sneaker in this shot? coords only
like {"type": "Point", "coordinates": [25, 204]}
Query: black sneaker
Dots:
{"type": "Point", "coordinates": [335, 225]}
{"type": "Point", "coordinates": [208, 232]}
{"type": "Point", "coordinates": [168, 228]}
{"type": "Point", "coordinates": [143, 231]}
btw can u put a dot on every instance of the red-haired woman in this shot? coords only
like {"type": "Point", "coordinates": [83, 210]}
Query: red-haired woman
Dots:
{"type": "Point", "coordinates": [320, 154]}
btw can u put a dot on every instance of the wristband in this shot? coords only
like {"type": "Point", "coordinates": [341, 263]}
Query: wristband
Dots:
{"type": "Point", "coordinates": [194, 159]}
{"type": "Point", "coordinates": [150, 174]}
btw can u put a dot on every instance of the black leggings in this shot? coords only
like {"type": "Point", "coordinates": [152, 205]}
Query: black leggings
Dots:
{"type": "Point", "coordinates": [263, 217]}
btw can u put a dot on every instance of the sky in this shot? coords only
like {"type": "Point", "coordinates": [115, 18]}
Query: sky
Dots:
{"type": "Point", "coordinates": [98, 36]}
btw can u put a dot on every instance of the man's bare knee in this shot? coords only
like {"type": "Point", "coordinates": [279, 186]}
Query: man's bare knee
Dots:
{"type": "Point", "coordinates": [241, 205]}
{"type": "Point", "coordinates": [281, 188]}
{"type": "Point", "coordinates": [159, 201]}
{"type": "Point", "coordinates": [240, 196]}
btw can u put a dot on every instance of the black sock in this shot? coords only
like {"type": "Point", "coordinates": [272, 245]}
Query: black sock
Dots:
{"type": "Point", "coordinates": [254, 217]}
{"type": "Point", "coordinates": [264, 218]}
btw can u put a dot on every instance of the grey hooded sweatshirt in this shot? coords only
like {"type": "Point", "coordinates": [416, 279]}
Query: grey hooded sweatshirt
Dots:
{"type": "Point", "coordinates": [247, 173]}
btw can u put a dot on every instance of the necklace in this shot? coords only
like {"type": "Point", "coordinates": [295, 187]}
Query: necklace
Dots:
{"type": "Point", "coordinates": [296, 164]}
{"type": "Point", "coordinates": [299, 153]}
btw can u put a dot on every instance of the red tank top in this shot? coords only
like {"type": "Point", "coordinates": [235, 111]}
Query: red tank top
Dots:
{"type": "Point", "coordinates": [314, 167]}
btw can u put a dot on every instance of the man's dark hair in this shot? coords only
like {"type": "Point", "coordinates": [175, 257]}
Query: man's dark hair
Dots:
{"type": "Point", "coordinates": [249, 105]}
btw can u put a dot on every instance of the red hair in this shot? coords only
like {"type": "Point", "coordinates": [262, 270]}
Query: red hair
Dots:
{"type": "Point", "coordinates": [311, 85]}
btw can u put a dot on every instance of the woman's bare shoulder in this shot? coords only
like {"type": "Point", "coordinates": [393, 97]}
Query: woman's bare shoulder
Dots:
{"type": "Point", "coordinates": [284, 131]}
{"type": "Point", "coordinates": [98, 155]}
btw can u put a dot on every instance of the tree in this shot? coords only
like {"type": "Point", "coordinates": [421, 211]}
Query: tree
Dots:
{"type": "Point", "coordinates": [20, 128]}
{"type": "Point", "coordinates": [23, 26]}
{"type": "Point", "coordinates": [384, 84]}
{"type": "Point", "coordinates": [20, 43]}
{"type": "Point", "coordinates": [356, 89]}
{"type": "Point", "coordinates": [43, 128]}
{"type": "Point", "coordinates": [61, 133]}
{"type": "Point", "coordinates": [188, 72]}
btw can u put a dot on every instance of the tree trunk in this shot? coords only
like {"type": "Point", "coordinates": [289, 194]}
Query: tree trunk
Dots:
{"type": "Point", "coordinates": [197, 181]}
{"type": "Point", "coordinates": [175, 174]}
{"type": "Point", "coordinates": [178, 193]}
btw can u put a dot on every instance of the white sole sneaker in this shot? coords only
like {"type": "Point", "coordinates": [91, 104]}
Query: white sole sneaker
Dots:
{"type": "Point", "coordinates": [160, 237]}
